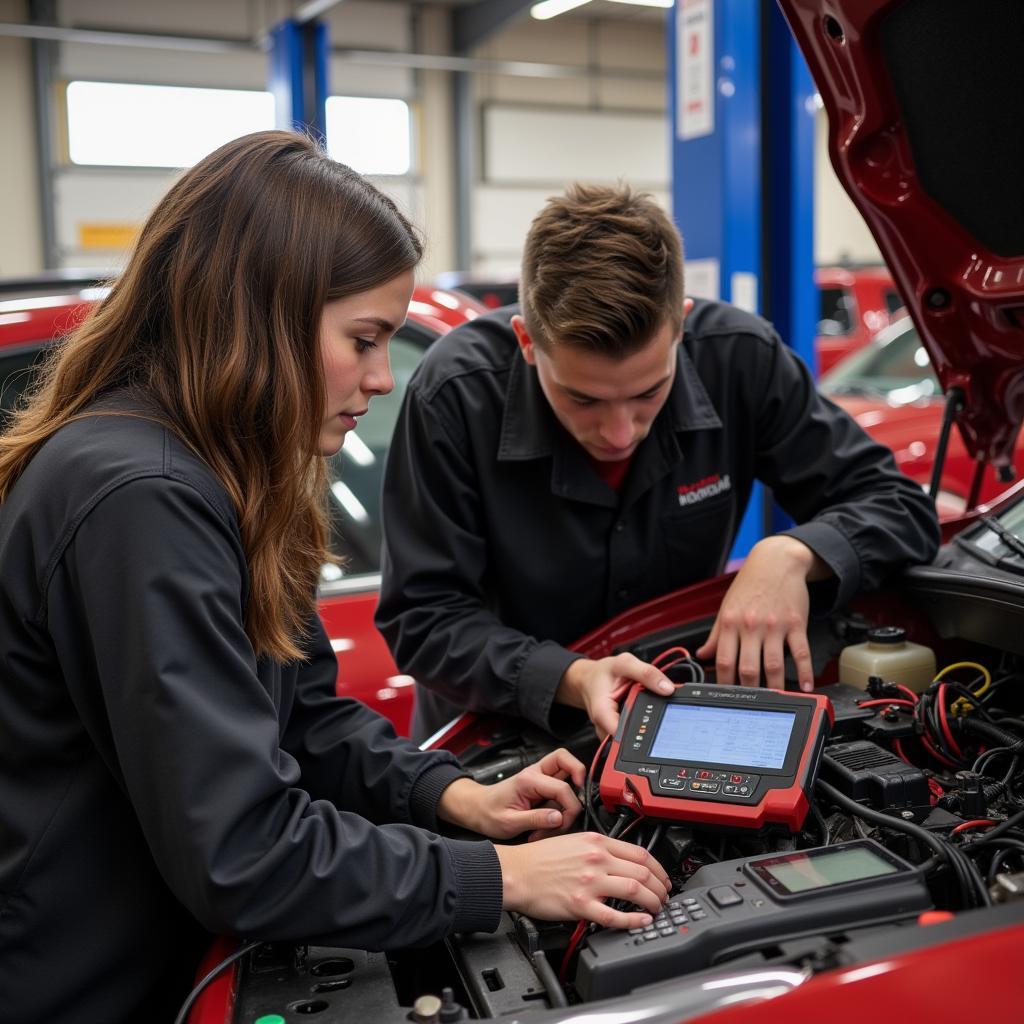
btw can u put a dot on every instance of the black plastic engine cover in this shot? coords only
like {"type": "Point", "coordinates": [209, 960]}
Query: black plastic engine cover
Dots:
{"type": "Point", "coordinates": [873, 776]}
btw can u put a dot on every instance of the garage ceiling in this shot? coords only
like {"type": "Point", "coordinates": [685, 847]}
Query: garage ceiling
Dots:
{"type": "Point", "coordinates": [603, 9]}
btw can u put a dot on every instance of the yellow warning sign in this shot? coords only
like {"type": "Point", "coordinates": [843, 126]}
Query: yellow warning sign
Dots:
{"type": "Point", "coordinates": [107, 236]}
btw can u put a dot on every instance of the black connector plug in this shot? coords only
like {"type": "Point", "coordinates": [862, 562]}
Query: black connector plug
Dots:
{"type": "Point", "coordinates": [971, 794]}
{"type": "Point", "coordinates": [879, 689]}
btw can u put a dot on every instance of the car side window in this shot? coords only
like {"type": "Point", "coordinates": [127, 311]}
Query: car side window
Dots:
{"type": "Point", "coordinates": [16, 372]}
{"type": "Point", "coordinates": [836, 312]}
{"type": "Point", "coordinates": [355, 473]}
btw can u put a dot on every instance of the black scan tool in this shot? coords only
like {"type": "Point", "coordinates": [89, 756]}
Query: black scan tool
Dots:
{"type": "Point", "coordinates": [737, 905]}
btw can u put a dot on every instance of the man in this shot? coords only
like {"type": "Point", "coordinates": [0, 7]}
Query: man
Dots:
{"type": "Point", "coordinates": [556, 465]}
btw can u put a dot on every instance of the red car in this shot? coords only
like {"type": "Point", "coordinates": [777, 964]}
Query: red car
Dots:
{"type": "Point", "coordinates": [856, 303]}
{"type": "Point", "coordinates": [884, 876]}
{"type": "Point", "coordinates": [30, 319]}
{"type": "Point", "coordinates": [890, 388]}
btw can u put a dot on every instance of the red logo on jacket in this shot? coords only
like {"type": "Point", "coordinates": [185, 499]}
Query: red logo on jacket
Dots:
{"type": "Point", "coordinates": [708, 487]}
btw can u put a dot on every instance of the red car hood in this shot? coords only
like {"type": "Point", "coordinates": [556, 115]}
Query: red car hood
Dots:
{"type": "Point", "coordinates": [925, 100]}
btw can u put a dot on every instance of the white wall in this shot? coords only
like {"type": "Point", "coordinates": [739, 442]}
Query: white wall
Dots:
{"type": "Point", "coordinates": [21, 246]}
{"type": "Point", "coordinates": [540, 134]}
{"type": "Point", "coordinates": [840, 234]}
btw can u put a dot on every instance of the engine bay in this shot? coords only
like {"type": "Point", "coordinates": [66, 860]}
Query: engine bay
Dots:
{"type": "Point", "coordinates": [903, 825]}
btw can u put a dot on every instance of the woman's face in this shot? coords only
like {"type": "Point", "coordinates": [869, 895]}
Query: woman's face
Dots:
{"type": "Point", "coordinates": [354, 336]}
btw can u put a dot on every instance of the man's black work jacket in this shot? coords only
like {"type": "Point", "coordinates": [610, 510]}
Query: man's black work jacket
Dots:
{"type": "Point", "coordinates": [502, 544]}
{"type": "Point", "coordinates": [158, 782]}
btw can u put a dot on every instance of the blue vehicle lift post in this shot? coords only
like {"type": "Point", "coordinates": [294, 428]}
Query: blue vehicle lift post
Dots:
{"type": "Point", "coordinates": [742, 123]}
{"type": "Point", "coordinates": [298, 75]}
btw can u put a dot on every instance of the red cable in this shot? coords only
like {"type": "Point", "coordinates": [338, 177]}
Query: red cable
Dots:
{"type": "Point", "coordinates": [597, 755]}
{"type": "Point", "coordinates": [946, 731]}
{"type": "Point", "coordinates": [936, 791]}
{"type": "Point", "coordinates": [910, 693]}
{"type": "Point", "coordinates": [926, 743]}
{"type": "Point", "coordinates": [682, 651]}
{"type": "Point", "coordinates": [975, 823]}
{"type": "Point", "coordinates": [900, 753]}
{"type": "Point", "coordinates": [887, 701]}
{"type": "Point", "coordinates": [574, 941]}
{"type": "Point", "coordinates": [636, 821]}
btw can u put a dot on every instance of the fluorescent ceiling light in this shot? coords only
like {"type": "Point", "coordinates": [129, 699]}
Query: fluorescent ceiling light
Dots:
{"type": "Point", "coordinates": [552, 8]}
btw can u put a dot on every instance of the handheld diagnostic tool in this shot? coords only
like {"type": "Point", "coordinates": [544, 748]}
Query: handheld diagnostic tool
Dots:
{"type": "Point", "coordinates": [736, 906]}
{"type": "Point", "coordinates": [731, 756]}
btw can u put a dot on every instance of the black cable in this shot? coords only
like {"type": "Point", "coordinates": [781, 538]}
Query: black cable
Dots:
{"type": "Point", "coordinates": [983, 759]}
{"type": "Point", "coordinates": [968, 695]}
{"type": "Point", "coordinates": [1001, 681]}
{"type": "Point", "coordinates": [971, 884]}
{"type": "Point", "coordinates": [990, 730]}
{"type": "Point", "coordinates": [620, 821]}
{"type": "Point", "coordinates": [999, 848]}
{"type": "Point", "coordinates": [1000, 830]}
{"type": "Point", "coordinates": [655, 836]}
{"type": "Point", "coordinates": [548, 978]}
{"type": "Point", "coordinates": [826, 835]}
{"type": "Point", "coordinates": [198, 990]}
{"type": "Point", "coordinates": [588, 796]}
{"type": "Point", "coordinates": [928, 720]}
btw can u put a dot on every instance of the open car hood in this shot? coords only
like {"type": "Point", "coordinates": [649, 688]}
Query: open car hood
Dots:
{"type": "Point", "coordinates": [925, 100]}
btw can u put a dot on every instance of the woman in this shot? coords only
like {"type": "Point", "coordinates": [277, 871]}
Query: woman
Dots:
{"type": "Point", "coordinates": [174, 760]}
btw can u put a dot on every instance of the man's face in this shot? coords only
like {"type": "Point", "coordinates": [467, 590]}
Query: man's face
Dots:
{"type": "Point", "coordinates": [606, 404]}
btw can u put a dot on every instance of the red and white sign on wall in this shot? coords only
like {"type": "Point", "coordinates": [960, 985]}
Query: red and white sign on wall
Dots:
{"type": "Point", "coordinates": [695, 54]}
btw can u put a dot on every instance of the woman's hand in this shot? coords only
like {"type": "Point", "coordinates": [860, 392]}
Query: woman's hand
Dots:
{"type": "Point", "coordinates": [537, 799]}
{"type": "Point", "coordinates": [570, 877]}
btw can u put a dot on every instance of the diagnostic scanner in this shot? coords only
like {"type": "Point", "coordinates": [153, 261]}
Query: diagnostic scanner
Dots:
{"type": "Point", "coordinates": [732, 907]}
{"type": "Point", "coordinates": [728, 756]}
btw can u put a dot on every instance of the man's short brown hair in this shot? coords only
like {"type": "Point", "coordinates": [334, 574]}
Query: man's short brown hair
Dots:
{"type": "Point", "coordinates": [602, 269]}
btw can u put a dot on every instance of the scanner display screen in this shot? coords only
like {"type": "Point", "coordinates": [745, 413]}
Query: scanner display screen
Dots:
{"type": "Point", "coordinates": [802, 872]}
{"type": "Point", "coordinates": [723, 735]}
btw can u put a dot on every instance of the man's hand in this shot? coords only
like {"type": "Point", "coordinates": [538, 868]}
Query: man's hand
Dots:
{"type": "Point", "coordinates": [570, 877]}
{"type": "Point", "coordinates": [537, 798]}
{"type": "Point", "coordinates": [765, 609]}
{"type": "Point", "coordinates": [596, 686]}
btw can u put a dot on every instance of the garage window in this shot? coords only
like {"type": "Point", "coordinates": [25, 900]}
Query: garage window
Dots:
{"type": "Point", "coordinates": [116, 124]}
{"type": "Point", "coordinates": [370, 134]}
{"type": "Point", "coordinates": [124, 125]}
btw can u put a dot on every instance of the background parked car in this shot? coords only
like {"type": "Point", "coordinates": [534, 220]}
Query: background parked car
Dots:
{"type": "Point", "coordinates": [493, 292]}
{"type": "Point", "coordinates": [890, 388]}
{"type": "Point", "coordinates": [31, 322]}
{"type": "Point", "coordinates": [856, 303]}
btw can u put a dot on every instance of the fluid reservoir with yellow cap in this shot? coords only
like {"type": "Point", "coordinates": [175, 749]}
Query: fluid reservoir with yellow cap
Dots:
{"type": "Point", "coordinates": [888, 653]}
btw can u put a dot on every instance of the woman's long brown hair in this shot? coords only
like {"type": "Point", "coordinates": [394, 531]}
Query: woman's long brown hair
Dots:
{"type": "Point", "coordinates": [215, 321]}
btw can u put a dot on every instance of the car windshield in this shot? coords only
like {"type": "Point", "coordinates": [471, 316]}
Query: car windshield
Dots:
{"type": "Point", "coordinates": [1000, 539]}
{"type": "Point", "coordinates": [894, 366]}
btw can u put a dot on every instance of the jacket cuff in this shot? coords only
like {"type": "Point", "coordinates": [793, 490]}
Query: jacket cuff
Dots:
{"type": "Point", "coordinates": [539, 677]}
{"type": "Point", "coordinates": [836, 551]}
{"type": "Point", "coordinates": [426, 793]}
{"type": "Point", "coordinates": [479, 885]}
